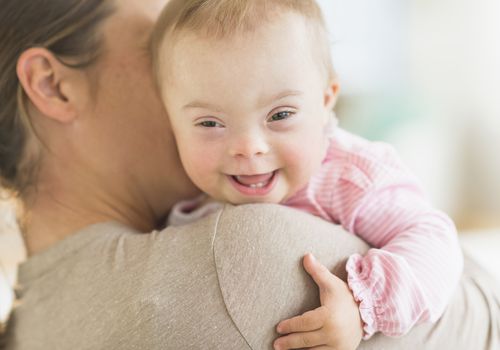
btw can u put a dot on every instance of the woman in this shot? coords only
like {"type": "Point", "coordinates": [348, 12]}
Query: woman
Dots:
{"type": "Point", "coordinates": [85, 145]}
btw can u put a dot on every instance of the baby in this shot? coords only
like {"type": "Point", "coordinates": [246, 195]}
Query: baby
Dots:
{"type": "Point", "coordinates": [250, 88]}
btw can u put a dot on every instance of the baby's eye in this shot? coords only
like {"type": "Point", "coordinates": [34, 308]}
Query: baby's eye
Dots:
{"type": "Point", "coordinates": [281, 116]}
{"type": "Point", "coordinates": [210, 124]}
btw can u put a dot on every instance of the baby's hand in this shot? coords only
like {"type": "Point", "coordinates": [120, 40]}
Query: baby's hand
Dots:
{"type": "Point", "coordinates": [336, 324]}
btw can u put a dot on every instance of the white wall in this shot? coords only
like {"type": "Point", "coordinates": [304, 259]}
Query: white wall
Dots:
{"type": "Point", "coordinates": [11, 253]}
{"type": "Point", "coordinates": [455, 50]}
{"type": "Point", "coordinates": [368, 42]}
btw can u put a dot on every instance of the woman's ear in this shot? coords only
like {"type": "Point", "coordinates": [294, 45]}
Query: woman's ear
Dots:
{"type": "Point", "coordinates": [46, 82]}
{"type": "Point", "coordinates": [331, 94]}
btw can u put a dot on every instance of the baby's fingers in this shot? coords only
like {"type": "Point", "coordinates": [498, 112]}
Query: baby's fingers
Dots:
{"type": "Point", "coordinates": [299, 340]}
{"type": "Point", "coordinates": [308, 321]}
{"type": "Point", "coordinates": [327, 282]}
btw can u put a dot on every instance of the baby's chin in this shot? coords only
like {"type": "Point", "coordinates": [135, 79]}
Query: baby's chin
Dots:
{"type": "Point", "coordinates": [255, 201]}
{"type": "Point", "coordinates": [249, 200]}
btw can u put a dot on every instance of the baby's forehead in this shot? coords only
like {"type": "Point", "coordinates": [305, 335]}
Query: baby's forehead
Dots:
{"type": "Point", "coordinates": [207, 30]}
{"type": "Point", "coordinates": [277, 45]}
{"type": "Point", "coordinates": [285, 35]}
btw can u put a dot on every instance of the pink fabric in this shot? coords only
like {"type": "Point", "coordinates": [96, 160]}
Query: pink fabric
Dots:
{"type": "Point", "coordinates": [190, 210]}
{"type": "Point", "coordinates": [415, 265]}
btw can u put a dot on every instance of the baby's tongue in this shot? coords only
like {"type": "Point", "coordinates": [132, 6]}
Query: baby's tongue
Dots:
{"type": "Point", "coordinates": [254, 179]}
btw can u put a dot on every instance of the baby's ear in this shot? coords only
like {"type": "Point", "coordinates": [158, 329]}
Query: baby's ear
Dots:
{"type": "Point", "coordinates": [331, 93]}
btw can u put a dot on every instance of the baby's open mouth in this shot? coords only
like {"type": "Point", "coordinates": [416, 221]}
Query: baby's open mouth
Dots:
{"type": "Point", "coordinates": [255, 181]}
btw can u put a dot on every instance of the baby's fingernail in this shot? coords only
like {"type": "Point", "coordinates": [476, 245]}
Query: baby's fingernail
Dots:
{"type": "Point", "coordinates": [313, 258]}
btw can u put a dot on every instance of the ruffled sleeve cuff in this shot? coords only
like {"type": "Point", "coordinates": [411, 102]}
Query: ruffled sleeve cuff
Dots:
{"type": "Point", "coordinates": [360, 286]}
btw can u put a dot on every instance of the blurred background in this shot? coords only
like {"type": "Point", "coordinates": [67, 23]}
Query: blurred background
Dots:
{"type": "Point", "coordinates": [423, 75]}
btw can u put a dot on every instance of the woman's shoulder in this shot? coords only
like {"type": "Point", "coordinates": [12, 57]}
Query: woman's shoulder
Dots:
{"type": "Point", "coordinates": [234, 274]}
{"type": "Point", "coordinates": [258, 251]}
{"type": "Point", "coordinates": [108, 286]}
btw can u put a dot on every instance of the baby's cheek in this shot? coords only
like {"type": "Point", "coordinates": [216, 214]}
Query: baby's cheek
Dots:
{"type": "Point", "coordinates": [301, 163]}
{"type": "Point", "coordinates": [298, 170]}
{"type": "Point", "coordinates": [200, 167]}
{"type": "Point", "coordinates": [203, 165]}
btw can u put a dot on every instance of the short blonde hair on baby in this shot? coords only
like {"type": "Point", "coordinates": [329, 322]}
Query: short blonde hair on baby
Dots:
{"type": "Point", "coordinates": [218, 19]}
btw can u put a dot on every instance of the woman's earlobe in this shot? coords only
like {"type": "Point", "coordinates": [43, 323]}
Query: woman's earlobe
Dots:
{"type": "Point", "coordinates": [42, 75]}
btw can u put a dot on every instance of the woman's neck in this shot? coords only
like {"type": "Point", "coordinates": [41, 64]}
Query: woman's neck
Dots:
{"type": "Point", "coordinates": [57, 211]}
{"type": "Point", "coordinates": [45, 224]}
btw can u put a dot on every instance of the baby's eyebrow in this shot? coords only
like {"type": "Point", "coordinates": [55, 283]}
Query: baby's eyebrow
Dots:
{"type": "Point", "coordinates": [201, 104]}
{"type": "Point", "coordinates": [214, 107]}
{"type": "Point", "coordinates": [265, 101]}
{"type": "Point", "coordinates": [287, 93]}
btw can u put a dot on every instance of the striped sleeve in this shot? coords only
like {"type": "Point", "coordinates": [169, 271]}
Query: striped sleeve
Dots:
{"type": "Point", "coordinates": [410, 274]}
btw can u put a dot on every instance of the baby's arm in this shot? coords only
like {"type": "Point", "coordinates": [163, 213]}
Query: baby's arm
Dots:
{"type": "Point", "coordinates": [410, 275]}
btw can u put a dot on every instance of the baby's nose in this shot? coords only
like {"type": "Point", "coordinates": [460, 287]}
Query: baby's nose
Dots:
{"type": "Point", "coordinates": [248, 146]}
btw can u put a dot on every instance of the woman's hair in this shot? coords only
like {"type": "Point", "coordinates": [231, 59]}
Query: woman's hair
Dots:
{"type": "Point", "coordinates": [218, 19]}
{"type": "Point", "coordinates": [67, 28]}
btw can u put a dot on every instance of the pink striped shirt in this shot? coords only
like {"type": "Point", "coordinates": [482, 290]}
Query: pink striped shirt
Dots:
{"type": "Point", "coordinates": [409, 275]}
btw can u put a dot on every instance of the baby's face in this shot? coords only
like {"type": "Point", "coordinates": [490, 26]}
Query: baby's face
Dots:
{"type": "Point", "coordinates": [249, 113]}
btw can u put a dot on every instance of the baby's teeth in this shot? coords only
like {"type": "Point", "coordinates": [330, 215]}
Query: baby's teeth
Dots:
{"type": "Point", "coordinates": [258, 185]}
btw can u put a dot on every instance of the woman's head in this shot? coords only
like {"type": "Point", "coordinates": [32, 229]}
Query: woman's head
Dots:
{"type": "Point", "coordinates": [69, 29]}
{"type": "Point", "coordinates": [93, 120]}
